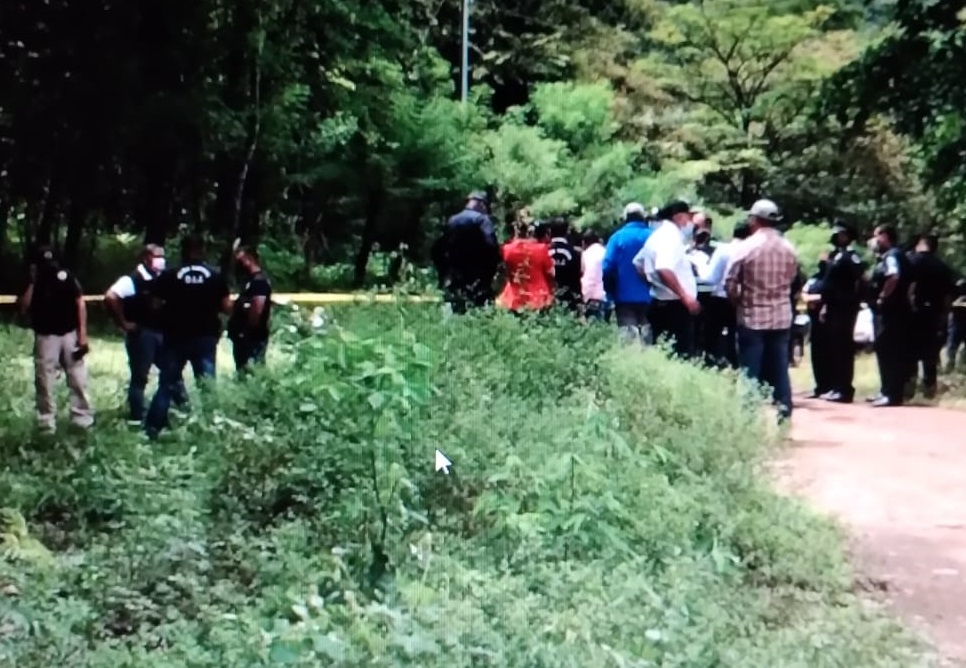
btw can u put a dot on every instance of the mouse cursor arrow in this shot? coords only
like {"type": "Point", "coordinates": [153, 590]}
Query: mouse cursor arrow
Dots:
{"type": "Point", "coordinates": [442, 462]}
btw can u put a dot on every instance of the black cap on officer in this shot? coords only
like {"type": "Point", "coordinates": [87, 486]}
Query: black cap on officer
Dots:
{"type": "Point", "coordinates": [840, 227]}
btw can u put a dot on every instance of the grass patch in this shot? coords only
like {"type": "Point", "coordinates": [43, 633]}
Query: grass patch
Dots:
{"type": "Point", "coordinates": [606, 508]}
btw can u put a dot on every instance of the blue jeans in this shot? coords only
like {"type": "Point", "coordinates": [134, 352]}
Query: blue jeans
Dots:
{"type": "Point", "coordinates": [763, 355]}
{"type": "Point", "coordinates": [144, 348]}
{"type": "Point", "coordinates": [200, 353]}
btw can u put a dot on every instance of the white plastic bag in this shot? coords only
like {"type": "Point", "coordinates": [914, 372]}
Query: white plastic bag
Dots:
{"type": "Point", "coordinates": [864, 328]}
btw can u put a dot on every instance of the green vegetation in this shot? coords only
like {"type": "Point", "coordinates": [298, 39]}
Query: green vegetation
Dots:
{"type": "Point", "coordinates": [330, 133]}
{"type": "Point", "coordinates": [607, 508]}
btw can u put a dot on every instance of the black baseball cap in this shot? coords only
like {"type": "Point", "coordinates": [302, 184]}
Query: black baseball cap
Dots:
{"type": "Point", "coordinates": [479, 196]}
{"type": "Point", "coordinates": [674, 208]}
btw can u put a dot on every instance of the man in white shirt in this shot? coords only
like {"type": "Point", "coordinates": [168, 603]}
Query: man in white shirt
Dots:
{"type": "Point", "coordinates": [664, 263]}
{"type": "Point", "coordinates": [720, 315]}
{"type": "Point", "coordinates": [135, 309]}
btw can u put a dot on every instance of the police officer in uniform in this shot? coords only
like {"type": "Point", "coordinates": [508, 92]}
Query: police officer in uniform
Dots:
{"type": "Point", "coordinates": [193, 297]}
{"type": "Point", "coordinates": [566, 266]}
{"type": "Point", "coordinates": [891, 280]}
{"type": "Point", "coordinates": [841, 300]}
{"type": "Point", "coordinates": [133, 304]}
{"type": "Point", "coordinates": [818, 331]}
{"type": "Point", "coordinates": [932, 296]}
{"type": "Point", "coordinates": [248, 327]}
{"type": "Point", "coordinates": [467, 256]}
{"type": "Point", "coordinates": [54, 302]}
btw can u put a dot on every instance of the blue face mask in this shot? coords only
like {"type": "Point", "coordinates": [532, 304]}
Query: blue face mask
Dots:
{"type": "Point", "coordinates": [687, 232]}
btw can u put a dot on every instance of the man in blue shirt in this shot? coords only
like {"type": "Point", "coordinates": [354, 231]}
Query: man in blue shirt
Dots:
{"type": "Point", "coordinates": [624, 285]}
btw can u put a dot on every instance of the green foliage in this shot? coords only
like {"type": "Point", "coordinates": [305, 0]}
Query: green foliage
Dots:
{"type": "Point", "coordinates": [606, 507]}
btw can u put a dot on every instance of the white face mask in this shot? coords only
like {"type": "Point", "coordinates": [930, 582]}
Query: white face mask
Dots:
{"type": "Point", "coordinates": [157, 264]}
{"type": "Point", "coordinates": [687, 232]}
{"type": "Point", "coordinates": [874, 245]}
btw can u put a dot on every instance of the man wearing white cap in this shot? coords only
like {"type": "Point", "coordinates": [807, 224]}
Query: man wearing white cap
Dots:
{"type": "Point", "coordinates": [629, 290]}
{"type": "Point", "coordinates": [759, 280]}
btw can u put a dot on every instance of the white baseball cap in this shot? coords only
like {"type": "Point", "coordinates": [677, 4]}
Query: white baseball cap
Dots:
{"type": "Point", "coordinates": [634, 207]}
{"type": "Point", "coordinates": [766, 210]}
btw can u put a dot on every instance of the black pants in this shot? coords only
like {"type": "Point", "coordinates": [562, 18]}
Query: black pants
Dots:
{"type": "Point", "coordinates": [892, 353]}
{"type": "Point", "coordinates": [462, 294]}
{"type": "Point", "coordinates": [819, 353]}
{"type": "Point", "coordinates": [928, 334]}
{"type": "Point", "coordinates": [672, 319]}
{"type": "Point", "coordinates": [840, 330]}
{"type": "Point", "coordinates": [720, 331]}
{"type": "Point", "coordinates": [704, 333]}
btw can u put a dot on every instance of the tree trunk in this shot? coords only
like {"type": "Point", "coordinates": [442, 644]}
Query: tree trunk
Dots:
{"type": "Point", "coordinates": [374, 207]}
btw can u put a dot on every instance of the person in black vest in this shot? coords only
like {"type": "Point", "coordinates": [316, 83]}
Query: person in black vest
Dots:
{"type": "Point", "coordinates": [133, 304]}
{"type": "Point", "coordinates": [841, 299]}
{"type": "Point", "coordinates": [467, 256]}
{"type": "Point", "coordinates": [54, 302]}
{"type": "Point", "coordinates": [566, 265]}
{"type": "Point", "coordinates": [193, 297]}
{"type": "Point", "coordinates": [248, 327]}
{"type": "Point", "coordinates": [933, 293]}
{"type": "Point", "coordinates": [891, 280]}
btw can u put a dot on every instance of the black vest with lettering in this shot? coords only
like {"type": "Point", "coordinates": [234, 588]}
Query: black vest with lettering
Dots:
{"type": "Point", "coordinates": [53, 309]}
{"type": "Point", "coordinates": [192, 301]}
{"type": "Point", "coordinates": [566, 266]}
{"type": "Point", "coordinates": [142, 308]}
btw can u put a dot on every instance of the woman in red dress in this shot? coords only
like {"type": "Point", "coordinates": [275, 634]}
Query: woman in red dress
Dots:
{"type": "Point", "coordinates": [529, 270]}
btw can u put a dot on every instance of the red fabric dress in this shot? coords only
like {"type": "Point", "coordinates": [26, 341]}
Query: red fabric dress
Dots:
{"type": "Point", "coordinates": [529, 269]}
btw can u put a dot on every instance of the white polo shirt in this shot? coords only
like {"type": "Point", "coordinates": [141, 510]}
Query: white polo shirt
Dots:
{"type": "Point", "coordinates": [665, 250]}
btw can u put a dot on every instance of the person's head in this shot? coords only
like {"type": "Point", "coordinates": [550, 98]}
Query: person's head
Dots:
{"type": "Point", "coordinates": [841, 235]}
{"type": "Point", "coordinates": [635, 213]}
{"type": "Point", "coordinates": [590, 237]}
{"type": "Point", "coordinates": [247, 260]}
{"type": "Point", "coordinates": [45, 259]}
{"type": "Point", "coordinates": [703, 222]}
{"type": "Point", "coordinates": [152, 257]}
{"type": "Point", "coordinates": [541, 232]}
{"type": "Point", "coordinates": [679, 212]}
{"type": "Point", "coordinates": [478, 201]}
{"type": "Point", "coordinates": [193, 248]}
{"type": "Point", "coordinates": [927, 243]}
{"type": "Point", "coordinates": [702, 235]}
{"type": "Point", "coordinates": [742, 230]}
{"type": "Point", "coordinates": [884, 238]}
{"type": "Point", "coordinates": [559, 227]}
{"type": "Point", "coordinates": [763, 214]}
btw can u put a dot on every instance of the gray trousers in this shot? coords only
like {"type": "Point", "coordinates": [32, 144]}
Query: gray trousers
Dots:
{"type": "Point", "coordinates": [632, 323]}
{"type": "Point", "coordinates": [51, 355]}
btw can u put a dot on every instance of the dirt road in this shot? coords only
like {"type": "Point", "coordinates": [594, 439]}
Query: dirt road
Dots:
{"type": "Point", "coordinates": [896, 478]}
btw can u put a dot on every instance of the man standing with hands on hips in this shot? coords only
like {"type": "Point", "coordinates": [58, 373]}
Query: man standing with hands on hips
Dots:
{"type": "Point", "coordinates": [664, 263]}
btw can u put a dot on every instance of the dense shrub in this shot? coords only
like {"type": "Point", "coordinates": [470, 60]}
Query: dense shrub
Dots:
{"type": "Point", "coordinates": [605, 508]}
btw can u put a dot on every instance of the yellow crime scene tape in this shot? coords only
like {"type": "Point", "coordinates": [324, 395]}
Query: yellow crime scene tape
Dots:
{"type": "Point", "coordinates": [302, 298]}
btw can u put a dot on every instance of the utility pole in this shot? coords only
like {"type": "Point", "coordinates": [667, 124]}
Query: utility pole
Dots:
{"type": "Point", "coordinates": [465, 90]}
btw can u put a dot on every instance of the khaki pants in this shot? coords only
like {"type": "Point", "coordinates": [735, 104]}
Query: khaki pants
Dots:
{"type": "Point", "coordinates": [51, 354]}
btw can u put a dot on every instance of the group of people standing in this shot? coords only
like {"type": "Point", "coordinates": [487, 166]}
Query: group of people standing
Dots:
{"type": "Point", "coordinates": [661, 275]}
{"type": "Point", "coordinates": [917, 304]}
{"type": "Point", "coordinates": [170, 318]}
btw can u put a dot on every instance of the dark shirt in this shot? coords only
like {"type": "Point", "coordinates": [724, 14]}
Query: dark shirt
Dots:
{"type": "Point", "coordinates": [191, 297]}
{"type": "Point", "coordinates": [841, 284]}
{"type": "Point", "coordinates": [892, 263]}
{"type": "Point", "coordinates": [935, 282]}
{"type": "Point", "coordinates": [468, 250]}
{"type": "Point", "coordinates": [143, 307]}
{"type": "Point", "coordinates": [959, 305]}
{"type": "Point", "coordinates": [53, 309]}
{"type": "Point", "coordinates": [566, 269]}
{"type": "Point", "coordinates": [258, 285]}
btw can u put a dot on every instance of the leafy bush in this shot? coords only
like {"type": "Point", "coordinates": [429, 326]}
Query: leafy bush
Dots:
{"type": "Point", "coordinates": [605, 508]}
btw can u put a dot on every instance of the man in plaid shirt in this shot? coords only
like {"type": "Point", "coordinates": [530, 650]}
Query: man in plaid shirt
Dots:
{"type": "Point", "coordinates": [758, 281]}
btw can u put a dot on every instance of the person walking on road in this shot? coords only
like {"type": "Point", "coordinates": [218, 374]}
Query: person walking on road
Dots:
{"type": "Point", "coordinates": [622, 282]}
{"type": "Point", "coordinates": [467, 256]}
{"type": "Point", "coordinates": [891, 280]}
{"type": "Point", "coordinates": [760, 277]}
{"type": "Point", "coordinates": [54, 302]}
{"type": "Point", "coordinates": [674, 289]}
{"type": "Point", "coordinates": [841, 299]}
